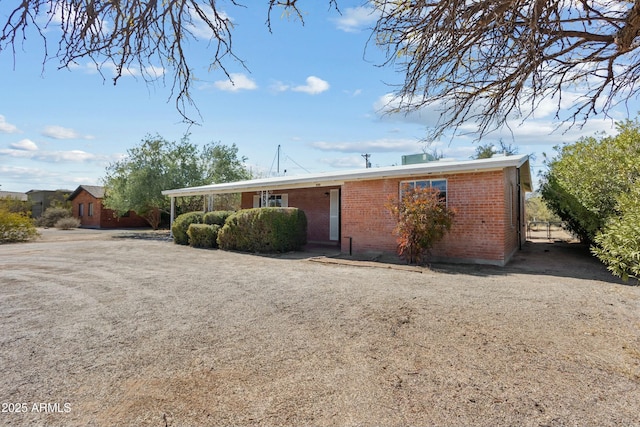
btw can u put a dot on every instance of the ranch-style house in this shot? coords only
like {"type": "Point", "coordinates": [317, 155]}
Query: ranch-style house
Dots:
{"type": "Point", "coordinates": [347, 209]}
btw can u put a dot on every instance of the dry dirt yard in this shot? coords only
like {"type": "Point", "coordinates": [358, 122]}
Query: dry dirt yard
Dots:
{"type": "Point", "coordinates": [98, 330]}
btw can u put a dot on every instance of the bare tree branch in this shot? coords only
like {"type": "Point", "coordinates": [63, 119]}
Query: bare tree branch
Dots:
{"type": "Point", "coordinates": [479, 62]}
{"type": "Point", "coordinates": [484, 62]}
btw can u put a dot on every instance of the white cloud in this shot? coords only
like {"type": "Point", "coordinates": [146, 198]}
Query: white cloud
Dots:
{"type": "Point", "coordinates": [279, 87]}
{"type": "Point", "coordinates": [372, 146]}
{"type": "Point", "coordinates": [238, 82]}
{"type": "Point", "coordinates": [354, 19]}
{"type": "Point", "coordinates": [71, 156]}
{"type": "Point", "coordinates": [150, 72]}
{"type": "Point", "coordinates": [26, 178]}
{"type": "Point", "coordinates": [59, 132]}
{"type": "Point", "coordinates": [542, 128]}
{"type": "Point", "coordinates": [314, 86]}
{"type": "Point", "coordinates": [7, 127]}
{"type": "Point", "coordinates": [353, 93]}
{"type": "Point", "coordinates": [24, 145]}
{"type": "Point", "coordinates": [199, 28]}
{"type": "Point", "coordinates": [348, 162]}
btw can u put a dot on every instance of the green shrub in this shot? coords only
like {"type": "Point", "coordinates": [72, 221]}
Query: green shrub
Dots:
{"type": "Point", "coordinates": [52, 215]}
{"type": "Point", "coordinates": [181, 225]}
{"type": "Point", "coordinates": [14, 205]}
{"type": "Point", "coordinates": [67, 223]}
{"type": "Point", "coordinates": [618, 244]}
{"type": "Point", "coordinates": [264, 230]}
{"type": "Point", "coordinates": [216, 217]}
{"type": "Point", "coordinates": [203, 235]}
{"type": "Point", "coordinates": [422, 220]}
{"type": "Point", "coordinates": [16, 227]}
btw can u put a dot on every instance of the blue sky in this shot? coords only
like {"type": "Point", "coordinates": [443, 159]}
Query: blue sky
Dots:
{"type": "Point", "coordinates": [316, 90]}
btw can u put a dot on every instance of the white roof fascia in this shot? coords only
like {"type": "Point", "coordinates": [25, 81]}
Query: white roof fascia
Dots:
{"type": "Point", "coordinates": [338, 178]}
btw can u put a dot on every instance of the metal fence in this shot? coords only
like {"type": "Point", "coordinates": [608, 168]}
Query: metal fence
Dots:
{"type": "Point", "coordinates": [547, 230]}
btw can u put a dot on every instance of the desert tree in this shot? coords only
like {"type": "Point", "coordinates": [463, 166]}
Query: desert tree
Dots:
{"type": "Point", "coordinates": [136, 181]}
{"type": "Point", "coordinates": [488, 150]}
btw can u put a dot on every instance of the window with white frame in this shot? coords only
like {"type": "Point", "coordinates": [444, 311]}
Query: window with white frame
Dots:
{"type": "Point", "coordinates": [439, 184]}
{"type": "Point", "coordinates": [274, 201]}
{"type": "Point", "coordinates": [90, 209]}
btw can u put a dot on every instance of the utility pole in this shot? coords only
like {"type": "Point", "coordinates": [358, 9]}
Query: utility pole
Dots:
{"type": "Point", "coordinates": [366, 159]}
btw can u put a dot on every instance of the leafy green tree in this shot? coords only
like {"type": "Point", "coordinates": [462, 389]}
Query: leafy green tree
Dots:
{"type": "Point", "coordinates": [585, 180]}
{"type": "Point", "coordinates": [537, 210]}
{"type": "Point", "coordinates": [618, 244]}
{"type": "Point", "coordinates": [136, 182]}
{"type": "Point", "coordinates": [486, 151]}
{"type": "Point", "coordinates": [422, 220]}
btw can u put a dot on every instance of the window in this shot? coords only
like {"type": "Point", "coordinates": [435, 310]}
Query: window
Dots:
{"type": "Point", "coordinates": [439, 184]}
{"type": "Point", "coordinates": [81, 210]}
{"type": "Point", "coordinates": [90, 209]}
{"type": "Point", "coordinates": [275, 201]}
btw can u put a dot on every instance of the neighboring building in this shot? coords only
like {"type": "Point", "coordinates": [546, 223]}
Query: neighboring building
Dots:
{"type": "Point", "coordinates": [22, 197]}
{"type": "Point", "coordinates": [43, 199]}
{"type": "Point", "coordinates": [86, 203]}
{"type": "Point", "coordinates": [347, 208]}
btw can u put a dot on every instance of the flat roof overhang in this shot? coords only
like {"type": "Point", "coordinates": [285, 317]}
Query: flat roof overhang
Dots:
{"type": "Point", "coordinates": [329, 179]}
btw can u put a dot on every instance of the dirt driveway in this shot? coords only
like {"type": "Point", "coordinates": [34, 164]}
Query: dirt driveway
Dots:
{"type": "Point", "coordinates": [104, 331]}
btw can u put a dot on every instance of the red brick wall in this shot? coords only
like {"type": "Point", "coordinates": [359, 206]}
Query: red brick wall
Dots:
{"type": "Point", "coordinates": [485, 228]}
{"type": "Point", "coordinates": [109, 220]}
{"type": "Point", "coordinates": [85, 198]}
{"type": "Point", "coordinates": [481, 231]}
{"type": "Point", "coordinates": [313, 201]}
{"type": "Point", "coordinates": [102, 217]}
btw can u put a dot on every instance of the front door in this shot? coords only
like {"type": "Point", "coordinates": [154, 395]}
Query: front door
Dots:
{"type": "Point", "coordinates": [334, 215]}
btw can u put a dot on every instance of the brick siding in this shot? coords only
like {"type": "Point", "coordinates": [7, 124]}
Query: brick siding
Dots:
{"type": "Point", "coordinates": [482, 230]}
{"type": "Point", "coordinates": [485, 228]}
{"type": "Point", "coordinates": [313, 201]}
{"type": "Point", "coordinates": [102, 217]}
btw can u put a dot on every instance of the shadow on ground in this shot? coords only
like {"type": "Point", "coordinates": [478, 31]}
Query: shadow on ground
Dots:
{"type": "Point", "coordinates": [541, 257]}
{"type": "Point", "coordinates": [557, 258]}
{"type": "Point", "coordinates": [552, 258]}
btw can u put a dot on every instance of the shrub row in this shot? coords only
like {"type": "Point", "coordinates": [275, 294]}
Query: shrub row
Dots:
{"type": "Point", "coordinates": [216, 217]}
{"type": "Point", "coordinates": [250, 230]}
{"type": "Point", "coordinates": [203, 235]}
{"type": "Point", "coordinates": [181, 225]}
{"type": "Point", "coordinates": [264, 230]}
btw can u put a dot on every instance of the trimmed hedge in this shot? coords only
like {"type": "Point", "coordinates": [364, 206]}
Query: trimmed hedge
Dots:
{"type": "Point", "coordinates": [181, 225]}
{"type": "Point", "coordinates": [264, 230]}
{"type": "Point", "coordinates": [203, 235]}
{"type": "Point", "coordinates": [216, 217]}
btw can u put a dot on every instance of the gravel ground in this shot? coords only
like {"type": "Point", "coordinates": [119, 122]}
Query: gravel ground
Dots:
{"type": "Point", "coordinates": [104, 331]}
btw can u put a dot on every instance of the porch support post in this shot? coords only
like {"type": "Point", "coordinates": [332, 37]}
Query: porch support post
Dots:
{"type": "Point", "coordinates": [173, 215]}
